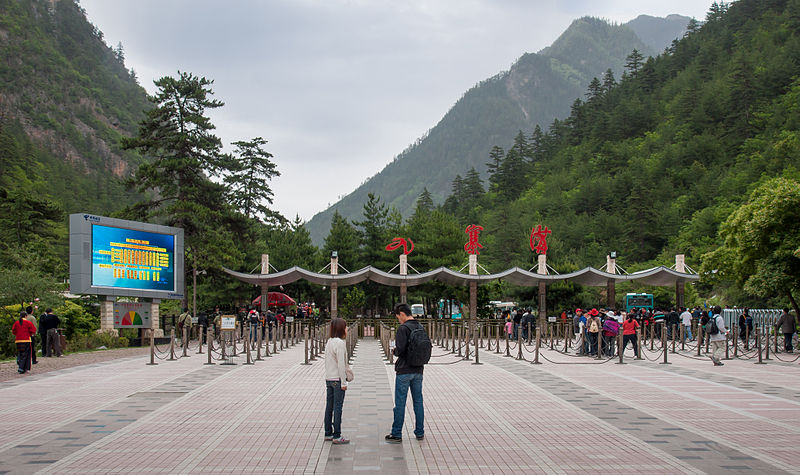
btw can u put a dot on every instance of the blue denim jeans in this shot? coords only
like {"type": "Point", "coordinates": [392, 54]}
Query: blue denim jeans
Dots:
{"type": "Point", "coordinates": [402, 382]}
{"type": "Point", "coordinates": [333, 409]}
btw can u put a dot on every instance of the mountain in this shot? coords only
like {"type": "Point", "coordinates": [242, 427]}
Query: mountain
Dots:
{"type": "Point", "coordinates": [537, 89]}
{"type": "Point", "coordinates": [66, 100]}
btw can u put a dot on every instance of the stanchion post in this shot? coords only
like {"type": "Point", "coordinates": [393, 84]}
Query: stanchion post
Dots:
{"type": "Point", "coordinates": [172, 345]}
{"type": "Point", "coordinates": [664, 343]}
{"type": "Point", "coordinates": [619, 346]}
{"type": "Point", "coordinates": [477, 361]}
{"type": "Point", "coordinates": [683, 337]}
{"type": "Point", "coordinates": [638, 344]}
{"type": "Point", "coordinates": [508, 347]}
{"type": "Point", "coordinates": [209, 338]}
{"type": "Point", "coordinates": [152, 348]}
{"type": "Point", "coordinates": [519, 344]}
{"type": "Point", "coordinates": [758, 345]}
{"type": "Point", "coordinates": [735, 341]}
{"type": "Point", "coordinates": [185, 341]}
{"type": "Point", "coordinates": [766, 339]}
{"type": "Point", "coordinates": [538, 343]}
{"type": "Point", "coordinates": [247, 344]}
{"type": "Point", "coordinates": [305, 338]}
{"type": "Point", "coordinates": [600, 343]}
{"type": "Point", "coordinates": [467, 330]}
{"type": "Point", "coordinates": [700, 337]}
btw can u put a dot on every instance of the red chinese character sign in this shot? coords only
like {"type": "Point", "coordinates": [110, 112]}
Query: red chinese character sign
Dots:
{"type": "Point", "coordinates": [399, 242]}
{"type": "Point", "coordinates": [539, 239]}
{"type": "Point", "coordinates": [472, 246]}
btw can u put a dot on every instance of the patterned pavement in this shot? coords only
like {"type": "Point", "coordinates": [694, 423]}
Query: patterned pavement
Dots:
{"type": "Point", "coordinates": [505, 415]}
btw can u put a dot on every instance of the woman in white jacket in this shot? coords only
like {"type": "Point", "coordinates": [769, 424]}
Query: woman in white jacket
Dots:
{"type": "Point", "coordinates": [336, 369]}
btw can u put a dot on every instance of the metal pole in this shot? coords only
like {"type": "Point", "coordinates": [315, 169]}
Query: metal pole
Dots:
{"type": "Point", "coordinates": [508, 348]}
{"type": "Point", "coordinates": [305, 338]}
{"type": "Point", "coordinates": [674, 336]}
{"type": "Point", "coordinates": [247, 344]}
{"type": "Point", "coordinates": [683, 337]}
{"type": "Point", "coordinates": [152, 348]}
{"type": "Point", "coordinates": [766, 339]}
{"type": "Point", "coordinates": [619, 347]}
{"type": "Point", "coordinates": [209, 338]}
{"type": "Point", "coordinates": [638, 344]}
{"type": "Point", "coordinates": [172, 345]}
{"type": "Point", "coordinates": [700, 337]}
{"type": "Point", "coordinates": [664, 343]}
{"type": "Point", "coordinates": [467, 333]}
{"type": "Point", "coordinates": [477, 361]}
{"type": "Point", "coordinates": [538, 343]}
{"type": "Point", "coordinates": [519, 344]}
{"type": "Point", "coordinates": [185, 341]}
{"type": "Point", "coordinates": [758, 344]}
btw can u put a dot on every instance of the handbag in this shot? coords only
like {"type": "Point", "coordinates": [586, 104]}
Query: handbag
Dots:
{"type": "Point", "coordinates": [348, 374]}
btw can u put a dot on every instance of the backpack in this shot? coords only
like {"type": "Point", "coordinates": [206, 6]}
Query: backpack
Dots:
{"type": "Point", "coordinates": [610, 327]}
{"type": "Point", "coordinates": [593, 327]}
{"type": "Point", "coordinates": [711, 326]}
{"type": "Point", "coordinates": [418, 352]}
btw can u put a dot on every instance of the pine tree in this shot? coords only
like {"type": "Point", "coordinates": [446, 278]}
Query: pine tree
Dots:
{"type": "Point", "coordinates": [248, 180]}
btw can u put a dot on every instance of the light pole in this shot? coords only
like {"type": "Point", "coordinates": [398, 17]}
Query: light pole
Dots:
{"type": "Point", "coordinates": [194, 290]}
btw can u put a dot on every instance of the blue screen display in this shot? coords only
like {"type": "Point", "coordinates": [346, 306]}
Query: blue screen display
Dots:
{"type": "Point", "coordinates": [128, 259]}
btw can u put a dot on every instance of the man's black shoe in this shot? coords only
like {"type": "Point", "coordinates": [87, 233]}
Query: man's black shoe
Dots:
{"type": "Point", "coordinates": [393, 440]}
{"type": "Point", "coordinates": [420, 437]}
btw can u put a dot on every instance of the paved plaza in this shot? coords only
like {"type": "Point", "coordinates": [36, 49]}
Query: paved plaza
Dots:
{"type": "Point", "coordinates": [567, 415]}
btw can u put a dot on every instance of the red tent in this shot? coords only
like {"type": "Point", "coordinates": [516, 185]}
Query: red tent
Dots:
{"type": "Point", "coordinates": [276, 299]}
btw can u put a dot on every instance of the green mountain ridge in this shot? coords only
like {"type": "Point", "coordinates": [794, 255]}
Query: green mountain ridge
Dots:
{"type": "Point", "coordinates": [66, 100]}
{"type": "Point", "coordinates": [538, 88]}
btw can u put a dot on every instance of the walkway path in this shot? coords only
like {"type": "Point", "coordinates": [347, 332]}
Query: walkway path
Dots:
{"type": "Point", "coordinates": [503, 416]}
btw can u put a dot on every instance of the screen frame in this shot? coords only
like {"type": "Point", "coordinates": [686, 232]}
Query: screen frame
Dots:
{"type": "Point", "coordinates": [80, 257]}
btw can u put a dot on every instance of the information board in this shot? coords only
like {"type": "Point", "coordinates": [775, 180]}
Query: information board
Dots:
{"type": "Point", "coordinates": [228, 322]}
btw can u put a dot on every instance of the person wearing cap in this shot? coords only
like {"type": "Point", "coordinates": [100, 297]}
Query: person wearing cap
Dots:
{"type": "Point", "coordinates": [592, 330]}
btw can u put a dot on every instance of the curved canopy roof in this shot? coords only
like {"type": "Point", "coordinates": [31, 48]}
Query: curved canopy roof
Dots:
{"type": "Point", "coordinates": [588, 276]}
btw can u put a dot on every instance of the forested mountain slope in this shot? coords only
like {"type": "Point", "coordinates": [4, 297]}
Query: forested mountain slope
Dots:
{"type": "Point", "coordinates": [538, 88]}
{"type": "Point", "coordinates": [66, 99]}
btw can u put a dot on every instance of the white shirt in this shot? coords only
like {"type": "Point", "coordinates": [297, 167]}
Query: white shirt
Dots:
{"type": "Point", "coordinates": [336, 360]}
{"type": "Point", "coordinates": [723, 332]}
{"type": "Point", "coordinates": [686, 318]}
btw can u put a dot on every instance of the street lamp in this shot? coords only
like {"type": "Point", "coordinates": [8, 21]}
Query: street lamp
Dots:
{"type": "Point", "coordinates": [194, 290]}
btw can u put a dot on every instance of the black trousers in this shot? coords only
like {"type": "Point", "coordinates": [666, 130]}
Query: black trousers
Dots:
{"type": "Point", "coordinates": [625, 340]}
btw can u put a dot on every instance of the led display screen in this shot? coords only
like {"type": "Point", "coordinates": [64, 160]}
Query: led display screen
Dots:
{"type": "Point", "coordinates": [130, 259]}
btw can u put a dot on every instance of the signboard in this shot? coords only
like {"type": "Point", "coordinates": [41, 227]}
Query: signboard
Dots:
{"type": "Point", "coordinates": [228, 322]}
{"type": "Point", "coordinates": [116, 257]}
{"type": "Point", "coordinates": [551, 319]}
{"type": "Point", "coordinates": [289, 319]}
{"type": "Point", "coordinates": [132, 315]}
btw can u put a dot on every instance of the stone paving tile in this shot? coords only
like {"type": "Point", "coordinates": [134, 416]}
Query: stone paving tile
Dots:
{"type": "Point", "coordinates": [52, 366]}
{"type": "Point", "coordinates": [499, 417]}
{"type": "Point", "coordinates": [366, 419]}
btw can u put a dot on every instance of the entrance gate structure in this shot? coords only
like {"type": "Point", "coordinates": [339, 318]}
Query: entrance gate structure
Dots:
{"type": "Point", "coordinates": [589, 276]}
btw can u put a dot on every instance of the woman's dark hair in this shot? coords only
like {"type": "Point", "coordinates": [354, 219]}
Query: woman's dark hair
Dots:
{"type": "Point", "coordinates": [338, 327]}
{"type": "Point", "coordinates": [29, 309]}
{"type": "Point", "coordinates": [704, 319]}
{"type": "Point", "coordinates": [22, 315]}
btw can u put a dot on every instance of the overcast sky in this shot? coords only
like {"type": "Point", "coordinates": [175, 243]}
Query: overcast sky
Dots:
{"type": "Point", "coordinates": [339, 87]}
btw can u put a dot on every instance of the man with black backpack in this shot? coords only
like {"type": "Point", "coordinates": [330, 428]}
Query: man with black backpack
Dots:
{"type": "Point", "coordinates": [412, 347]}
{"type": "Point", "coordinates": [715, 327]}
